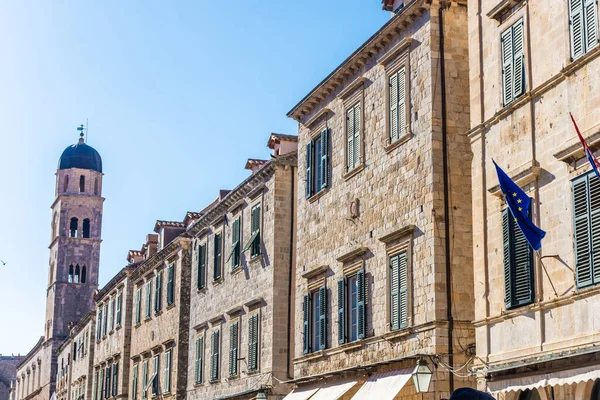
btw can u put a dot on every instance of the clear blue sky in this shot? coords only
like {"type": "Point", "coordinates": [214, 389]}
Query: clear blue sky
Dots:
{"type": "Point", "coordinates": [178, 96]}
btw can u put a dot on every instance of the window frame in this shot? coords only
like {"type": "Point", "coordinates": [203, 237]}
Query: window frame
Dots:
{"type": "Point", "coordinates": [138, 305]}
{"type": "Point", "coordinates": [199, 362]}
{"type": "Point", "coordinates": [234, 347]}
{"type": "Point", "coordinates": [397, 61]}
{"type": "Point", "coordinates": [158, 289]}
{"type": "Point", "coordinates": [583, 12]}
{"type": "Point", "coordinates": [518, 57]}
{"type": "Point", "coordinates": [167, 371]}
{"type": "Point", "coordinates": [255, 226]}
{"type": "Point", "coordinates": [201, 265]}
{"type": "Point", "coordinates": [254, 344]}
{"type": "Point", "coordinates": [590, 217]}
{"type": "Point", "coordinates": [318, 167]}
{"type": "Point", "coordinates": [236, 243]}
{"type": "Point", "coordinates": [148, 287]}
{"type": "Point", "coordinates": [357, 135]}
{"type": "Point", "coordinates": [215, 355]}
{"type": "Point", "coordinates": [218, 256]}
{"type": "Point", "coordinates": [171, 285]}
{"type": "Point", "coordinates": [134, 380]}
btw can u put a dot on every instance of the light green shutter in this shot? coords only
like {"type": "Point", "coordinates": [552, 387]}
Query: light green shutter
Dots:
{"type": "Point", "coordinates": [393, 107]}
{"type": "Point", "coordinates": [357, 141]}
{"type": "Point", "coordinates": [576, 27]}
{"type": "Point", "coordinates": [148, 298]}
{"type": "Point", "coordinates": [362, 293]}
{"type": "Point", "coordinates": [201, 266]}
{"type": "Point", "coordinates": [518, 59]}
{"type": "Point", "coordinates": [167, 372]}
{"type": "Point", "coordinates": [144, 379]}
{"type": "Point", "coordinates": [138, 305]}
{"type": "Point", "coordinates": [324, 158]}
{"type": "Point", "coordinates": [523, 266]}
{"type": "Point", "coordinates": [253, 343]}
{"type": "Point", "coordinates": [255, 216]}
{"type": "Point", "coordinates": [171, 284]}
{"type": "Point", "coordinates": [586, 205]}
{"type": "Point", "coordinates": [235, 243]}
{"type": "Point", "coordinates": [233, 349]}
{"type": "Point", "coordinates": [308, 170]}
{"type": "Point", "coordinates": [134, 382]}
{"type": "Point", "coordinates": [119, 305]}
{"type": "Point", "coordinates": [214, 361]}
{"type": "Point", "coordinates": [395, 292]}
{"type": "Point", "coordinates": [199, 359]}
{"type": "Point", "coordinates": [306, 316]}
{"type": "Point", "coordinates": [403, 290]}
{"type": "Point", "coordinates": [506, 233]}
{"type": "Point", "coordinates": [350, 139]}
{"type": "Point", "coordinates": [158, 294]}
{"type": "Point", "coordinates": [341, 310]}
{"type": "Point", "coordinates": [507, 66]}
{"type": "Point", "coordinates": [217, 257]}
{"type": "Point", "coordinates": [322, 317]}
{"type": "Point", "coordinates": [401, 102]}
{"type": "Point", "coordinates": [591, 24]}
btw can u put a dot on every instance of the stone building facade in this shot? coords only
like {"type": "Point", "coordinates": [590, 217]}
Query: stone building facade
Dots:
{"type": "Point", "coordinates": [536, 319]}
{"type": "Point", "coordinates": [243, 263]}
{"type": "Point", "coordinates": [73, 268]}
{"type": "Point", "coordinates": [160, 315]}
{"type": "Point", "coordinates": [8, 375]}
{"type": "Point", "coordinates": [112, 337]}
{"type": "Point", "coordinates": [384, 267]}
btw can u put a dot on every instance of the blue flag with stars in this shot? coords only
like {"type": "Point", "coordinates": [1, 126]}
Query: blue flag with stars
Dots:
{"type": "Point", "coordinates": [518, 204]}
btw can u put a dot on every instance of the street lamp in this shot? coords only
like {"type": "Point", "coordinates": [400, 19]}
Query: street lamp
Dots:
{"type": "Point", "coordinates": [422, 376]}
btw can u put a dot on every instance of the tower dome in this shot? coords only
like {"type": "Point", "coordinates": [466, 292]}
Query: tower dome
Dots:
{"type": "Point", "coordinates": [80, 155]}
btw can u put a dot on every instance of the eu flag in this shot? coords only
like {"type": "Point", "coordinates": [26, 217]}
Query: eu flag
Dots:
{"type": "Point", "coordinates": [518, 204]}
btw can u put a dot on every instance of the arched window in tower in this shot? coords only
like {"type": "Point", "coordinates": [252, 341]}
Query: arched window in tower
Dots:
{"type": "Point", "coordinates": [86, 228]}
{"type": "Point", "coordinates": [66, 186]}
{"type": "Point", "coordinates": [76, 280]}
{"type": "Point", "coordinates": [82, 184]}
{"type": "Point", "coordinates": [70, 280]}
{"type": "Point", "coordinates": [54, 226]}
{"type": "Point", "coordinates": [73, 227]}
{"type": "Point", "coordinates": [96, 187]}
{"type": "Point", "coordinates": [51, 273]}
{"type": "Point", "coordinates": [83, 274]}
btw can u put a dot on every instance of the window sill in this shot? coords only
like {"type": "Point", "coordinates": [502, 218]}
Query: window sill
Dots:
{"type": "Point", "coordinates": [253, 372]}
{"type": "Point", "coordinates": [236, 270]}
{"type": "Point", "coordinates": [317, 195]}
{"type": "Point", "coordinates": [157, 313]}
{"type": "Point", "coordinates": [401, 140]}
{"type": "Point", "coordinates": [217, 281]}
{"type": "Point", "coordinates": [255, 258]}
{"type": "Point", "coordinates": [198, 384]}
{"type": "Point", "coordinates": [346, 347]}
{"type": "Point", "coordinates": [316, 355]}
{"type": "Point", "coordinates": [233, 377]}
{"type": "Point", "coordinates": [148, 318]}
{"type": "Point", "coordinates": [170, 306]}
{"type": "Point", "coordinates": [216, 381]}
{"type": "Point", "coordinates": [201, 290]}
{"type": "Point", "coordinates": [118, 327]}
{"type": "Point", "coordinates": [355, 171]}
{"type": "Point", "coordinates": [398, 333]}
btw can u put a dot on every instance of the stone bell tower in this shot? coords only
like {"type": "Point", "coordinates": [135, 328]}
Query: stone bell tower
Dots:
{"type": "Point", "coordinates": [75, 238]}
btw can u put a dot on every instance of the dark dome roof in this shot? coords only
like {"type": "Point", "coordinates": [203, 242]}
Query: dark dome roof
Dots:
{"type": "Point", "coordinates": [82, 156]}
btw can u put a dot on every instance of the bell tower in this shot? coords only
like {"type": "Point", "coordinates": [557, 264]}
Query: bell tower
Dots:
{"type": "Point", "coordinates": [75, 238]}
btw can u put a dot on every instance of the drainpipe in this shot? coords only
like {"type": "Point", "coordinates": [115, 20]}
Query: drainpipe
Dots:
{"type": "Point", "coordinates": [291, 276]}
{"type": "Point", "coordinates": [446, 202]}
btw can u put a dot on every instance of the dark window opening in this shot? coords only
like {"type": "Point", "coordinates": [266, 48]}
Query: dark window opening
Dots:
{"type": "Point", "coordinates": [66, 186]}
{"type": "Point", "coordinates": [83, 274]}
{"type": "Point", "coordinates": [86, 228]}
{"type": "Point", "coordinates": [96, 187]}
{"type": "Point", "coordinates": [82, 184]}
{"type": "Point", "coordinates": [530, 394]}
{"type": "Point", "coordinates": [596, 390]}
{"type": "Point", "coordinates": [76, 280]}
{"type": "Point", "coordinates": [73, 227]}
{"type": "Point", "coordinates": [70, 280]}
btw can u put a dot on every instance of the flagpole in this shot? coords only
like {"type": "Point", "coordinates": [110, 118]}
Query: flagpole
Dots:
{"type": "Point", "coordinates": [546, 271]}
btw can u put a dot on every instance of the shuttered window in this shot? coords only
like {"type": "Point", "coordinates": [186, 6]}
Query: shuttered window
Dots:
{"type": "Point", "coordinates": [107, 375]}
{"type": "Point", "coordinates": [167, 371]}
{"type": "Point", "coordinates": [104, 318]}
{"type": "Point", "coordinates": [398, 109]}
{"type": "Point", "coordinates": [171, 285]}
{"type": "Point", "coordinates": [586, 210]}
{"type": "Point", "coordinates": [154, 378]}
{"type": "Point", "coordinates": [233, 348]}
{"type": "Point", "coordinates": [341, 326]}
{"type": "Point", "coordinates": [148, 298]}
{"type": "Point", "coordinates": [253, 334]}
{"type": "Point", "coordinates": [119, 305]}
{"type": "Point", "coordinates": [306, 331]}
{"type": "Point", "coordinates": [158, 294]}
{"type": "Point", "coordinates": [399, 291]}
{"type": "Point", "coordinates": [322, 304]}
{"type": "Point", "coordinates": [351, 308]}
{"type": "Point", "coordinates": [518, 264]}
{"type": "Point", "coordinates": [95, 389]}
{"type": "Point", "coordinates": [255, 246]}
{"type": "Point", "coordinates": [317, 163]}
{"type": "Point", "coordinates": [214, 356]}
{"type": "Point", "coordinates": [315, 320]}
{"type": "Point", "coordinates": [115, 379]}
{"type": "Point", "coordinates": [217, 247]}
{"type": "Point", "coordinates": [111, 315]}
{"type": "Point", "coordinates": [201, 279]}
{"type": "Point", "coordinates": [134, 382]}
{"type": "Point", "coordinates": [101, 385]}
{"type": "Point", "coordinates": [513, 62]}
{"type": "Point", "coordinates": [138, 306]}
{"type": "Point", "coordinates": [583, 26]}
{"type": "Point", "coordinates": [353, 142]}
{"type": "Point", "coordinates": [199, 360]}
{"type": "Point", "coordinates": [99, 323]}
{"type": "Point", "coordinates": [145, 379]}
{"type": "Point", "coordinates": [235, 244]}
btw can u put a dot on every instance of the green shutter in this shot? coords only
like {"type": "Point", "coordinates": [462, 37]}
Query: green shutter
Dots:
{"type": "Point", "coordinates": [394, 293]}
{"type": "Point", "coordinates": [401, 102]}
{"type": "Point", "coordinates": [506, 257]}
{"type": "Point", "coordinates": [518, 59]}
{"type": "Point", "coordinates": [591, 24]}
{"type": "Point", "coordinates": [217, 257]}
{"type": "Point", "coordinates": [134, 380]}
{"type": "Point", "coordinates": [322, 317]}
{"type": "Point", "coordinates": [324, 157]}
{"type": "Point", "coordinates": [101, 386]}
{"type": "Point", "coordinates": [167, 371]}
{"type": "Point", "coordinates": [518, 263]}
{"type": "Point", "coordinates": [95, 387]}
{"type": "Point", "coordinates": [235, 243]}
{"type": "Point", "coordinates": [360, 282]}
{"type": "Point", "coordinates": [576, 28]}
{"type": "Point", "coordinates": [350, 139]}
{"type": "Point", "coordinates": [148, 298]}
{"type": "Point", "coordinates": [144, 379]}
{"type": "Point", "coordinates": [214, 361]}
{"type": "Point", "coordinates": [255, 216]}
{"type": "Point", "coordinates": [199, 359]}
{"type": "Point", "coordinates": [583, 259]}
{"type": "Point", "coordinates": [115, 379]}
{"type": "Point", "coordinates": [393, 82]}
{"type": "Point", "coordinates": [306, 316]}
{"type": "Point", "coordinates": [253, 343]}
{"type": "Point", "coordinates": [171, 285]}
{"type": "Point", "coordinates": [158, 294]}
{"type": "Point", "coordinates": [308, 169]}
{"type": "Point", "coordinates": [233, 349]}
{"type": "Point", "coordinates": [357, 141]}
{"type": "Point", "coordinates": [507, 66]}
{"type": "Point", "coordinates": [119, 305]}
{"type": "Point", "coordinates": [341, 311]}
{"type": "Point", "coordinates": [403, 290]}
{"type": "Point", "coordinates": [201, 265]}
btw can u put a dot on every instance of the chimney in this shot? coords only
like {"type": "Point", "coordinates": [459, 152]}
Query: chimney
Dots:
{"type": "Point", "coordinates": [282, 144]}
{"type": "Point", "coordinates": [254, 164]}
{"type": "Point", "coordinates": [151, 245]}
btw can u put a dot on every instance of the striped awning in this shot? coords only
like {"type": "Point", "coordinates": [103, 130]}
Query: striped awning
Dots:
{"type": "Point", "coordinates": [301, 393]}
{"type": "Point", "coordinates": [333, 390]}
{"type": "Point", "coordinates": [384, 386]}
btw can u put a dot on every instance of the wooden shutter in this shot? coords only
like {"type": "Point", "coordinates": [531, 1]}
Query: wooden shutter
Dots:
{"type": "Point", "coordinates": [583, 259]}
{"type": "Point", "coordinates": [199, 358]}
{"type": "Point", "coordinates": [350, 139]}
{"type": "Point", "coordinates": [214, 362]}
{"type": "Point", "coordinates": [115, 379]}
{"type": "Point", "coordinates": [576, 28]}
{"type": "Point", "coordinates": [253, 343]}
{"type": "Point", "coordinates": [591, 23]}
{"type": "Point", "coordinates": [401, 102]}
{"type": "Point", "coordinates": [518, 260]}
{"type": "Point", "coordinates": [233, 349]}
{"type": "Point", "coordinates": [357, 141]}
{"type": "Point", "coordinates": [158, 294]}
{"type": "Point", "coordinates": [144, 379]}
{"type": "Point", "coordinates": [167, 377]}
{"type": "Point", "coordinates": [171, 285]}
{"type": "Point", "coordinates": [394, 293]}
{"type": "Point", "coordinates": [308, 169]}
{"type": "Point", "coordinates": [119, 305]}
{"type": "Point", "coordinates": [217, 257]}
{"type": "Point", "coordinates": [324, 157]}
{"type": "Point", "coordinates": [518, 59]}
{"type": "Point", "coordinates": [134, 382]}
{"type": "Point", "coordinates": [255, 246]}
{"type": "Point", "coordinates": [322, 317]}
{"type": "Point", "coordinates": [594, 184]}
{"type": "Point", "coordinates": [506, 257]}
{"type": "Point", "coordinates": [235, 243]}
{"type": "Point", "coordinates": [306, 316]}
{"type": "Point", "coordinates": [507, 66]}
{"type": "Point", "coordinates": [341, 311]}
{"type": "Point", "coordinates": [148, 298]}
{"type": "Point", "coordinates": [138, 306]}
{"type": "Point", "coordinates": [360, 283]}
{"type": "Point", "coordinates": [101, 386]}
{"type": "Point", "coordinates": [201, 265]}
{"type": "Point", "coordinates": [393, 107]}
{"type": "Point", "coordinates": [403, 290]}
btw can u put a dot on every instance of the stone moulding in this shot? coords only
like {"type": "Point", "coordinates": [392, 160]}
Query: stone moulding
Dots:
{"type": "Point", "coordinates": [315, 272]}
{"type": "Point", "coordinates": [361, 251]}
{"type": "Point", "coordinates": [351, 88]}
{"type": "Point", "coordinates": [234, 310]}
{"type": "Point", "coordinates": [502, 8]}
{"type": "Point", "coordinates": [522, 175]}
{"type": "Point", "coordinates": [574, 151]}
{"type": "Point", "coordinates": [254, 302]}
{"type": "Point", "coordinates": [256, 191]}
{"type": "Point", "coordinates": [397, 234]}
{"type": "Point", "coordinates": [238, 204]}
{"type": "Point", "coordinates": [201, 326]}
{"type": "Point", "coordinates": [324, 111]}
{"type": "Point", "coordinates": [216, 319]}
{"type": "Point", "coordinates": [169, 343]}
{"type": "Point", "coordinates": [391, 55]}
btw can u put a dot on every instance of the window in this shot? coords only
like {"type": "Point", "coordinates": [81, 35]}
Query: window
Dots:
{"type": "Point", "coordinates": [513, 63]}
{"type": "Point", "coordinates": [107, 382]}
{"type": "Point", "coordinates": [315, 320]}
{"type": "Point", "coordinates": [83, 274]}
{"type": "Point", "coordinates": [71, 278]}
{"type": "Point", "coordinates": [217, 256]}
{"type": "Point", "coordinates": [214, 356]}
{"type": "Point", "coordinates": [171, 285]}
{"type": "Point", "coordinates": [399, 291]}
{"type": "Point", "coordinates": [518, 264]}
{"type": "Point", "coordinates": [317, 163]}
{"type": "Point", "coordinates": [96, 187]}
{"type": "Point", "coordinates": [101, 391]}
{"type": "Point", "coordinates": [119, 304]}
{"type": "Point", "coordinates": [596, 390]}
{"type": "Point", "coordinates": [254, 242]}
{"type": "Point", "coordinates": [586, 210]}
{"type": "Point", "coordinates": [154, 377]}
{"type": "Point", "coordinates": [86, 228]}
{"type": "Point", "coordinates": [95, 390]}
{"type": "Point", "coordinates": [199, 359]}
{"type": "Point", "coordinates": [77, 273]}
{"type": "Point", "coordinates": [201, 266]}
{"type": "Point", "coordinates": [115, 379]}
{"type": "Point", "coordinates": [111, 317]}
{"type": "Point", "coordinates": [351, 308]}
{"type": "Point", "coordinates": [99, 323]}
{"type": "Point", "coordinates": [148, 298]}
{"type": "Point", "coordinates": [134, 381]}
{"type": "Point", "coordinates": [583, 26]}
{"type": "Point", "coordinates": [145, 379]}
{"type": "Point", "coordinates": [398, 105]}
{"type": "Point", "coordinates": [353, 142]}
{"type": "Point", "coordinates": [66, 185]}
{"type": "Point", "coordinates": [82, 184]}
{"type": "Point", "coordinates": [167, 372]}
{"type": "Point", "coordinates": [158, 293]}
{"type": "Point", "coordinates": [74, 351]}
{"type": "Point", "coordinates": [138, 306]}
{"type": "Point", "coordinates": [234, 255]}
{"type": "Point", "coordinates": [104, 318]}
{"type": "Point", "coordinates": [233, 348]}
{"type": "Point", "coordinates": [73, 227]}
{"type": "Point", "coordinates": [253, 342]}
{"type": "Point", "coordinates": [529, 394]}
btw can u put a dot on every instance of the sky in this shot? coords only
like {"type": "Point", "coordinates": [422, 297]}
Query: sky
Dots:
{"type": "Point", "coordinates": [178, 95]}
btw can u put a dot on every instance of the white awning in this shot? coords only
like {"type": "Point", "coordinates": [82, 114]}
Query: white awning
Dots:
{"type": "Point", "coordinates": [301, 393]}
{"type": "Point", "coordinates": [334, 390]}
{"type": "Point", "coordinates": [541, 380]}
{"type": "Point", "coordinates": [384, 386]}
